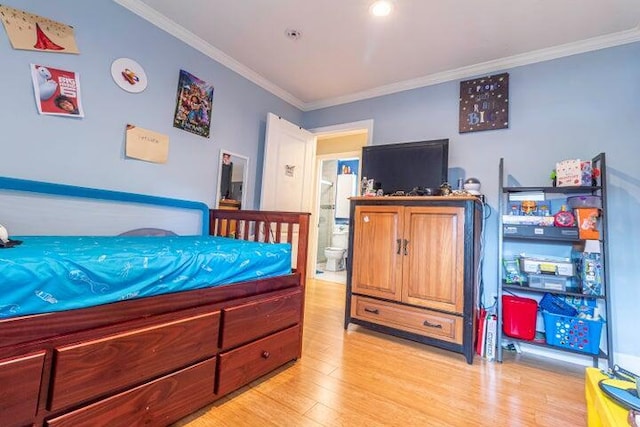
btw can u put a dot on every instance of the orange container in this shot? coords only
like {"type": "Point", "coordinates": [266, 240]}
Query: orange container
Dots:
{"type": "Point", "coordinates": [519, 317]}
{"type": "Point", "coordinates": [588, 223]}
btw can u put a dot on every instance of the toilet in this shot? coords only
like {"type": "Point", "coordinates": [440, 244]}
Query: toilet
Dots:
{"type": "Point", "coordinates": [337, 252]}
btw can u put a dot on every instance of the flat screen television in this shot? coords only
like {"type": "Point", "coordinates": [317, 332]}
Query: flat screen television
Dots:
{"type": "Point", "coordinates": [405, 166]}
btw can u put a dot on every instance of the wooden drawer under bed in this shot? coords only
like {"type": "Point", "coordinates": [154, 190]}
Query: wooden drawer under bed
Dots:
{"type": "Point", "coordinates": [157, 403]}
{"type": "Point", "coordinates": [256, 319]}
{"type": "Point", "coordinates": [90, 369]}
{"type": "Point", "coordinates": [19, 387]}
{"type": "Point", "coordinates": [244, 364]}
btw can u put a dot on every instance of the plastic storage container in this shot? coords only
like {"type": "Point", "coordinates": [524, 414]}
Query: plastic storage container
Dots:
{"type": "Point", "coordinates": [537, 264]}
{"type": "Point", "coordinates": [519, 317]}
{"type": "Point", "coordinates": [577, 202]}
{"type": "Point", "coordinates": [552, 282]}
{"type": "Point", "coordinates": [578, 334]}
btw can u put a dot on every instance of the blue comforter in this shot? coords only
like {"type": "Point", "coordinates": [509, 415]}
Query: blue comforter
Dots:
{"type": "Point", "coordinates": [51, 273]}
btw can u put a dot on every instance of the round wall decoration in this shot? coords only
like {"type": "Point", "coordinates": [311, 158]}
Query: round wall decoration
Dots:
{"type": "Point", "coordinates": [129, 75]}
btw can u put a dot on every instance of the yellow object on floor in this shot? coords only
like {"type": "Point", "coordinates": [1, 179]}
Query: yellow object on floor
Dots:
{"type": "Point", "coordinates": [601, 410]}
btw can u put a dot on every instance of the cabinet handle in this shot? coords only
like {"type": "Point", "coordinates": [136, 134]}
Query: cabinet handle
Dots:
{"type": "Point", "coordinates": [266, 354]}
{"type": "Point", "coordinates": [399, 246]}
{"type": "Point", "coordinates": [371, 310]}
{"type": "Point", "coordinates": [432, 325]}
{"type": "Point", "coordinates": [406, 243]}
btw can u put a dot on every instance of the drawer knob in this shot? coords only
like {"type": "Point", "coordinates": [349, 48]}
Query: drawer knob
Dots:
{"type": "Point", "coordinates": [371, 310]}
{"type": "Point", "coordinates": [266, 354]}
{"type": "Point", "coordinates": [432, 325]}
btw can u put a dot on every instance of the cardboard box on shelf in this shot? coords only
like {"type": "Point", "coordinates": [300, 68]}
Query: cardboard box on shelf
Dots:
{"type": "Point", "coordinates": [568, 173]}
{"type": "Point", "coordinates": [573, 172]}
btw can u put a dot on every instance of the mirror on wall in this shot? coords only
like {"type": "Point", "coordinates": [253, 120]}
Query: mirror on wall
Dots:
{"type": "Point", "coordinates": [232, 180]}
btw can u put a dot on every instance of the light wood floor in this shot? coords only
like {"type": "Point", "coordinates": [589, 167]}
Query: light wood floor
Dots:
{"type": "Point", "coordinates": [362, 378]}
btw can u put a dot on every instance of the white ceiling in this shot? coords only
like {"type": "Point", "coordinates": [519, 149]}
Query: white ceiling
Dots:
{"type": "Point", "coordinates": [345, 54]}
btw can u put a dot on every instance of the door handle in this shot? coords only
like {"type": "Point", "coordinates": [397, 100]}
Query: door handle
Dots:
{"type": "Point", "coordinates": [399, 246]}
{"type": "Point", "coordinates": [406, 243]}
{"type": "Point", "coordinates": [432, 325]}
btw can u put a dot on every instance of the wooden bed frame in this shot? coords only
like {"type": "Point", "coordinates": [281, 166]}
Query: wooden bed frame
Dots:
{"type": "Point", "coordinates": [154, 360]}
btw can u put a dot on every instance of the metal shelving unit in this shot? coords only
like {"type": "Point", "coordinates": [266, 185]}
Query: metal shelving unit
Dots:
{"type": "Point", "coordinates": [533, 239]}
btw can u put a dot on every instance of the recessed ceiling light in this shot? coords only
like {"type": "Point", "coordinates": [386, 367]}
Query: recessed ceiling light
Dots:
{"type": "Point", "coordinates": [293, 34]}
{"type": "Point", "coordinates": [381, 8]}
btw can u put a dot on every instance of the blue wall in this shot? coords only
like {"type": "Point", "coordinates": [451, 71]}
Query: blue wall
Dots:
{"type": "Point", "coordinates": [573, 107]}
{"type": "Point", "coordinates": [89, 152]}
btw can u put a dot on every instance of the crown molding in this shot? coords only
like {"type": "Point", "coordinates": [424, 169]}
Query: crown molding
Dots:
{"type": "Point", "coordinates": [162, 22]}
{"type": "Point", "coordinates": [489, 67]}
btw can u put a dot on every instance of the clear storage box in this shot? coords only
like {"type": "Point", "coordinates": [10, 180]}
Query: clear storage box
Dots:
{"type": "Point", "coordinates": [535, 264]}
{"type": "Point", "coordinates": [553, 282]}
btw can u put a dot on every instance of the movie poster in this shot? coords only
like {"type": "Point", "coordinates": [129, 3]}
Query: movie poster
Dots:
{"type": "Point", "coordinates": [57, 92]}
{"type": "Point", "coordinates": [194, 102]}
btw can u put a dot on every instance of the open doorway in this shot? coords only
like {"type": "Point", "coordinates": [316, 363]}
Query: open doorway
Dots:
{"type": "Point", "coordinates": [337, 166]}
{"type": "Point", "coordinates": [338, 180]}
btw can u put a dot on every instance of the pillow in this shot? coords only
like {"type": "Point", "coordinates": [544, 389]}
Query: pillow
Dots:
{"type": "Point", "coordinates": [148, 232]}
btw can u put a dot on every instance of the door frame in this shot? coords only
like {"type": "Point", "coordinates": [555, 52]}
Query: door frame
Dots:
{"type": "Point", "coordinates": [341, 129]}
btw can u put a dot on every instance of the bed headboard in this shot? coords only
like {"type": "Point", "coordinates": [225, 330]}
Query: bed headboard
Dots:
{"type": "Point", "coordinates": [34, 207]}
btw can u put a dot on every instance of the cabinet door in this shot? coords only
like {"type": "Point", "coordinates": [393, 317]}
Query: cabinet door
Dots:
{"type": "Point", "coordinates": [377, 251]}
{"type": "Point", "coordinates": [433, 267]}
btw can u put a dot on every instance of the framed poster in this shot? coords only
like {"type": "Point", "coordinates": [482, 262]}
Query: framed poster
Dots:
{"type": "Point", "coordinates": [484, 103]}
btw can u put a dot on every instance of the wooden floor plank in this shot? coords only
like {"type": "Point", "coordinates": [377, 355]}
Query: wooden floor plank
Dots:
{"type": "Point", "coordinates": [358, 377]}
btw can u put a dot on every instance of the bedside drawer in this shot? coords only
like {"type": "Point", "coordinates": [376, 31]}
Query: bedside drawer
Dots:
{"type": "Point", "coordinates": [20, 388]}
{"type": "Point", "coordinates": [246, 322]}
{"type": "Point", "coordinates": [241, 366]}
{"type": "Point", "coordinates": [90, 369]}
{"type": "Point", "coordinates": [153, 404]}
{"type": "Point", "coordinates": [424, 322]}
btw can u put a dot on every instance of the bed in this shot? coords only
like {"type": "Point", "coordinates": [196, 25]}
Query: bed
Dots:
{"type": "Point", "coordinates": [152, 354]}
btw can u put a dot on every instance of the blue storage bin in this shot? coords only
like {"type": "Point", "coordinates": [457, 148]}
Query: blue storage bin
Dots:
{"type": "Point", "coordinates": [575, 333]}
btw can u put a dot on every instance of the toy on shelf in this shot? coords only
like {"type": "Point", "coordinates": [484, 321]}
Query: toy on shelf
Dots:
{"type": "Point", "coordinates": [564, 218]}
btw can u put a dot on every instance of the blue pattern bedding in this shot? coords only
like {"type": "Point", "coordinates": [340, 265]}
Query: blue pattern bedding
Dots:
{"type": "Point", "coordinates": [51, 273]}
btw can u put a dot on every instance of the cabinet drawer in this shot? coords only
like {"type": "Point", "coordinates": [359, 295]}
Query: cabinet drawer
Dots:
{"type": "Point", "coordinates": [89, 369]}
{"type": "Point", "coordinates": [157, 403]}
{"type": "Point", "coordinates": [244, 364]}
{"type": "Point", "coordinates": [246, 322]}
{"type": "Point", "coordinates": [19, 389]}
{"type": "Point", "coordinates": [424, 322]}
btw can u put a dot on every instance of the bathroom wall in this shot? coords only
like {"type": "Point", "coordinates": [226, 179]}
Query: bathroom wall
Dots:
{"type": "Point", "coordinates": [327, 206]}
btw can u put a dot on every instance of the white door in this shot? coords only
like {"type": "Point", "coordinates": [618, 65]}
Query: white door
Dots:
{"type": "Point", "coordinates": [287, 174]}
